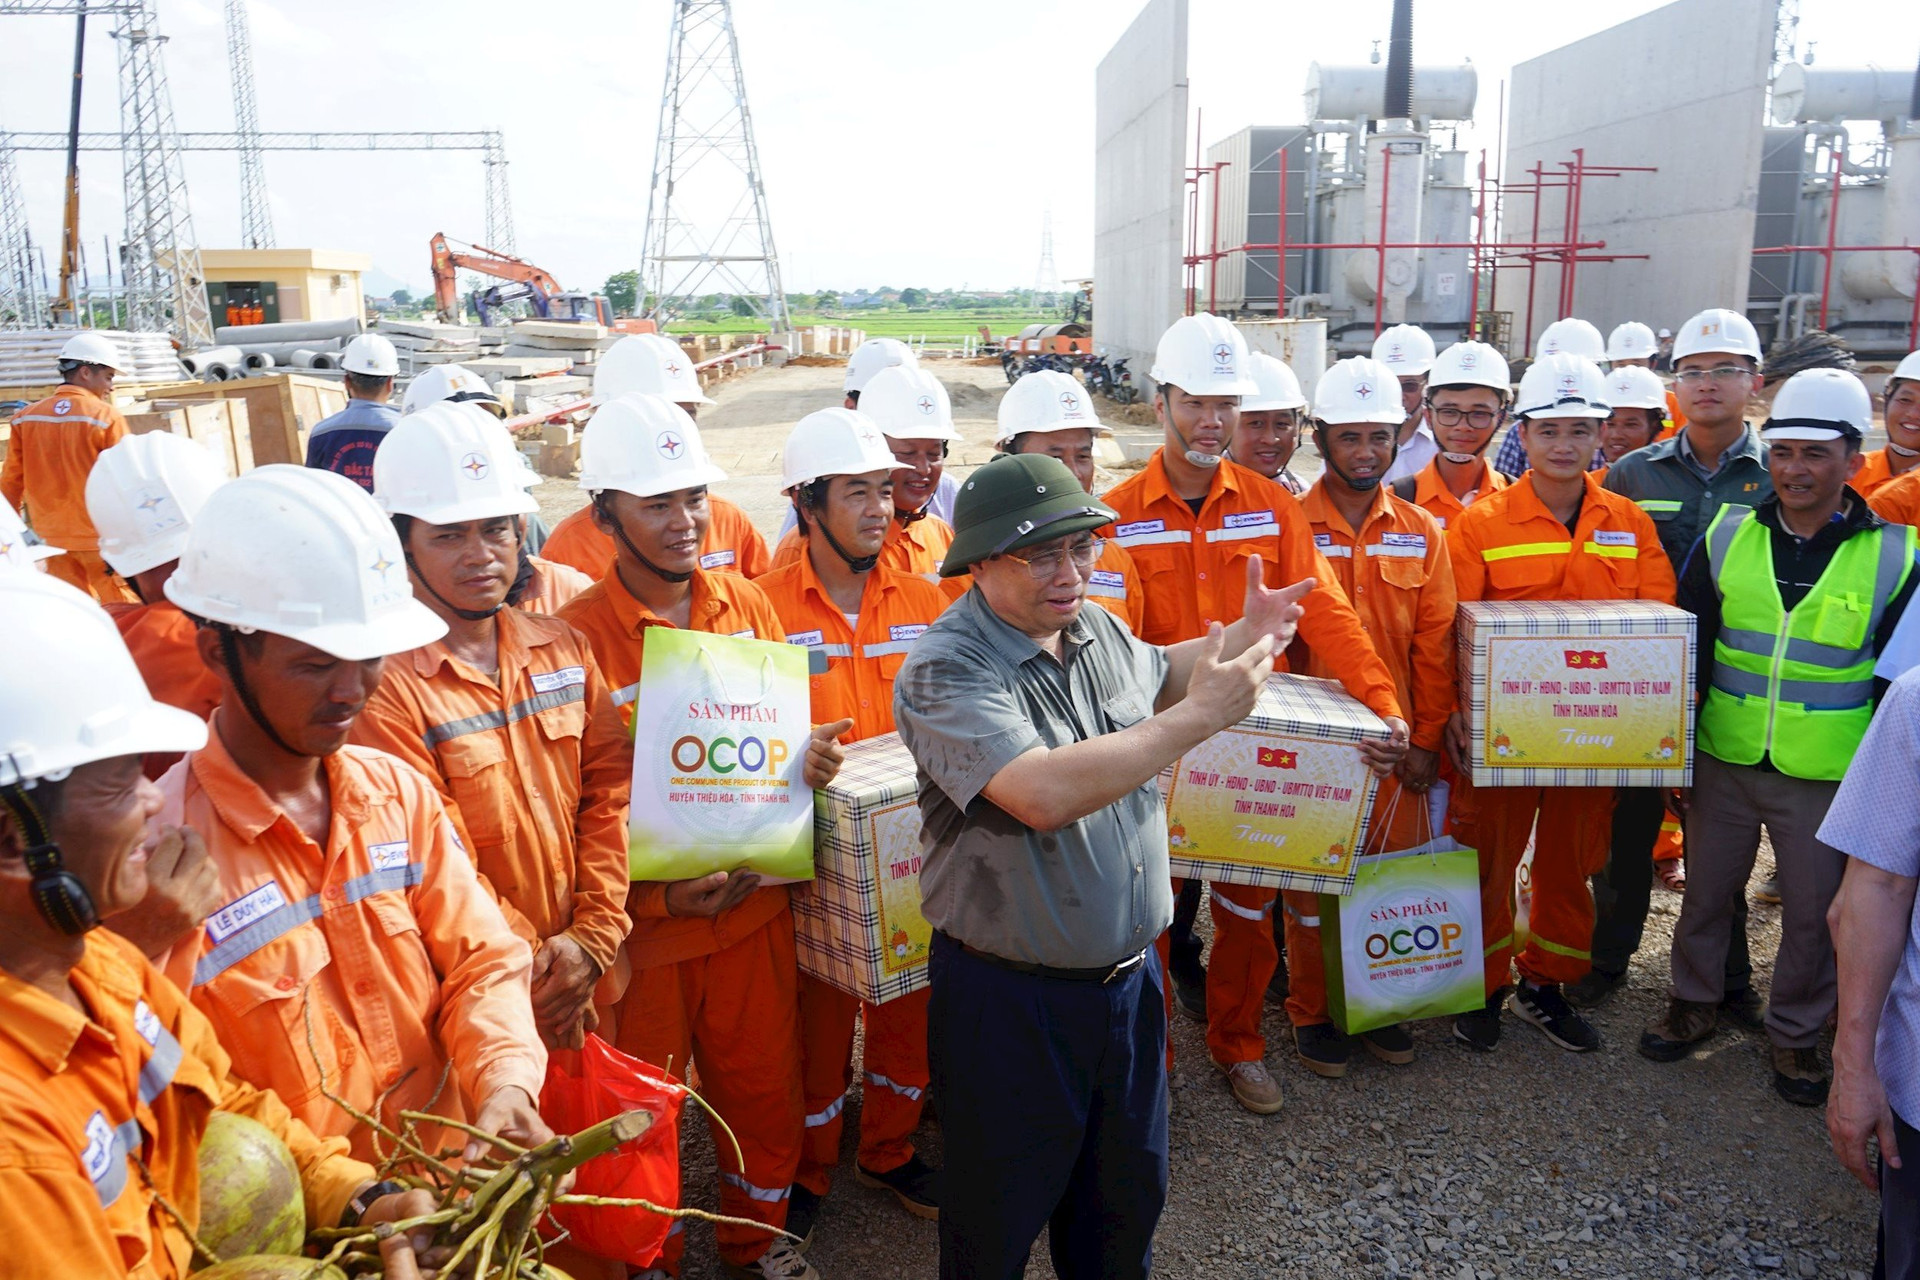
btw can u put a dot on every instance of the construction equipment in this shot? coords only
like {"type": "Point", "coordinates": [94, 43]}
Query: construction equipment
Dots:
{"type": "Point", "coordinates": [524, 283]}
{"type": "Point", "coordinates": [64, 307]}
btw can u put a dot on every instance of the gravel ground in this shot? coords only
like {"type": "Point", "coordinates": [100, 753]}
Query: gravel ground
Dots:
{"type": "Point", "coordinates": [1529, 1162]}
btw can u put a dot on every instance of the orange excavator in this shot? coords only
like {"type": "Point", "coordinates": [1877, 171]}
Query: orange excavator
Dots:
{"type": "Point", "coordinates": [522, 282]}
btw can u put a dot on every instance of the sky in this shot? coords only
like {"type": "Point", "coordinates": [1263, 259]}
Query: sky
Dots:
{"type": "Point", "coordinates": [902, 143]}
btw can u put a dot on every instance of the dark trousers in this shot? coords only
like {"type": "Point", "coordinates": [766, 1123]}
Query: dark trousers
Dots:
{"type": "Point", "coordinates": [1621, 893]}
{"type": "Point", "coordinates": [1183, 944]}
{"type": "Point", "coordinates": [1899, 1253]}
{"type": "Point", "coordinates": [1053, 1102]}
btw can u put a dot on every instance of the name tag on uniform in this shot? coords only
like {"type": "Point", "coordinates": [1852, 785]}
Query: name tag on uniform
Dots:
{"type": "Point", "coordinates": [806, 637]}
{"type": "Point", "coordinates": [1323, 540]}
{"type": "Point", "coordinates": [385, 857]}
{"type": "Point", "coordinates": [742, 635]}
{"type": "Point", "coordinates": [1247, 519]}
{"type": "Point", "coordinates": [906, 631]}
{"type": "Point", "coordinates": [245, 910]}
{"type": "Point", "coordinates": [1614, 538]}
{"type": "Point", "coordinates": [1404, 540]}
{"type": "Point", "coordinates": [716, 559]}
{"type": "Point", "coordinates": [98, 1157]}
{"type": "Point", "coordinates": [1140, 527]}
{"type": "Point", "coordinates": [1107, 578]}
{"type": "Point", "coordinates": [564, 678]}
{"type": "Point", "coordinates": [146, 1022]}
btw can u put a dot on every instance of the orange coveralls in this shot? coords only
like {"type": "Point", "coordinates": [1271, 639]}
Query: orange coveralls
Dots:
{"type": "Point", "coordinates": [1897, 501]}
{"type": "Point", "coordinates": [552, 585]}
{"type": "Point", "coordinates": [1510, 547]}
{"type": "Point", "coordinates": [533, 766]}
{"type": "Point", "coordinates": [1396, 572]}
{"type": "Point", "coordinates": [161, 640]}
{"type": "Point", "coordinates": [139, 1074]}
{"type": "Point", "coordinates": [384, 935]}
{"type": "Point", "coordinates": [1194, 568]}
{"type": "Point", "coordinates": [720, 991]}
{"type": "Point", "coordinates": [49, 455]}
{"type": "Point", "coordinates": [732, 544]}
{"type": "Point", "coordinates": [915, 547]}
{"type": "Point", "coordinates": [1432, 496]}
{"type": "Point", "coordinates": [861, 663]}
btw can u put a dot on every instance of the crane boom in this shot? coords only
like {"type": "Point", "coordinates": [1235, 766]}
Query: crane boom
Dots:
{"type": "Point", "coordinates": [64, 307]}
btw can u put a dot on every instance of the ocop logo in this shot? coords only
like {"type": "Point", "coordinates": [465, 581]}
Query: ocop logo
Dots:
{"type": "Point", "coordinates": [1415, 941]}
{"type": "Point", "coordinates": [724, 754]}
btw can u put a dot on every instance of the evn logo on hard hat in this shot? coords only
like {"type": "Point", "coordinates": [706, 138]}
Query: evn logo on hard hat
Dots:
{"type": "Point", "coordinates": [1362, 390]}
{"type": "Point", "coordinates": [924, 404]}
{"type": "Point", "coordinates": [669, 444]}
{"type": "Point", "coordinates": [475, 466]}
{"type": "Point", "coordinates": [1223, 358]}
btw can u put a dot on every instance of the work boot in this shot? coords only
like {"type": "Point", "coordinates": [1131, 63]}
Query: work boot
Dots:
{"type": "Point", "coordinates": [1389, 1044]}
{"type": "Point", "coordinates": [781, 1261]}
{"type": "Point", "coordinates": [1548, 1010]}
{"type": "Point", "coordinates": [1322, 1049]}
{"type": "Point", "coordinates": [1479, 1029]}
{"type": "Point", "coordinates": [1190, 989]}
{"type": "Point", "coordinates": [1253, 1086]}
{"type": "Point", "coordinates": [1798, 1076]}
{"type": "Point", "coordinates": [1594, 989]}
{"type": "Point", "coordinates": [803, 1210]}
{"type": "Point", "coordinates": [913, 1184]}
{"type": "Point", "coordinates": [1688, 1022]}
{"type": "Point", "coordinates": [1769, 890]}
{"type": "Point", "coordinates": [1745, 1007]}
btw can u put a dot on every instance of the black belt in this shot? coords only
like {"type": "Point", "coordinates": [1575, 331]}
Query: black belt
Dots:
{"type": "Point", "coordinates": [1102, 974]}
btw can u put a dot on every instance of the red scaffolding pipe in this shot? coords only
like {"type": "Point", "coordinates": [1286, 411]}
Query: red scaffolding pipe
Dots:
{"type": "Point", "coordinates": [1380, 256]}
{"type": "Point", "coordinates": [1829, 249]}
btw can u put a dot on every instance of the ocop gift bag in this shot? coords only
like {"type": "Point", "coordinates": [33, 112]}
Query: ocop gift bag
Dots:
{"type": "Point", "coordinates": [721, 725]}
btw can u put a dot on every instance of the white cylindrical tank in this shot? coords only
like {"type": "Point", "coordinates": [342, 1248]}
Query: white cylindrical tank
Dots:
{"type": "Point", "coordinates": [1347, 93]}
{"type": "Point", "coordinates": [1810, 95]}
{"type": "Point", "coordinates": [1872, 276]}
{"type": "Point", "coordinates": [1401, 182]}
{"type": "Point", "coordinates": [1301, 345]}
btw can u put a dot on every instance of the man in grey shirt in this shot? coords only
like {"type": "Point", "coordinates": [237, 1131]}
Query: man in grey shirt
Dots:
{"type": "Point", "coordinates": [1040, 728]}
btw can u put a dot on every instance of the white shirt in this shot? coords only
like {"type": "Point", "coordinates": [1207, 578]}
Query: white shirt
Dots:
{"type": "Point", "coordinates": [1415, 454]}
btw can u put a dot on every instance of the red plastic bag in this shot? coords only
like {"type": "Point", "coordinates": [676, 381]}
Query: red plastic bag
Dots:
{"type": "Point", "coordinates": [596, 1083]}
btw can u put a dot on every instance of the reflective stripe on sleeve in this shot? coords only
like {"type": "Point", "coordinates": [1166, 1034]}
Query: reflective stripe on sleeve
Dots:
{"type": "Point", "coordinates": [904, 1090]}
{"type": "Point", "coordinates": [1234, 908]}
{"type": "Point", "coordinates": [1651, 505]}
{"type": "Point", "coordinates": [828, 1114]}
{"type": "Point", "coordinates": [486, 720]}
{"type": "Point", "coordinates": [1520, 549]}
{"type": "Point", "coordinates": [763, 1194]}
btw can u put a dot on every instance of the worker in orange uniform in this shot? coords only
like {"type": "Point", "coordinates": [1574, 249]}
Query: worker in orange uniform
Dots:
{"type": "Point", "coordinates": [507, 713]}
{"type": "Point", "coordinates": [1633, 345]}
{"type": "Point", "coordinates": [1390, 558]}
{"type": "Point", "coordinates": [52, 451]}
{"type": "Point", "coordinates": [1554, 534]}
{"type": "Point", "coordinates": [142, 496]}
{"type": "Point", "coordinates": [649, 364]}
{"type": "Point", "coordinates": [349, 910]}
{"type": "Point", "coordinates": [1051, 413]}
{"type": "Point", "coordinates": [1468, 391]}
{"type": "Point", "coordinates": [714, 964]}
{"type": "Point", "coordinates": [857, 619]}
{"type": "Point", "coordinates": [1268, 429]}
{"type": "Point", "coordinates": [1886, 478]}
{"type": "Point", "coordinates": [1191, 519]}
{"type": "Point", "coordinates": [868, 361]}
{"type": "Point", "coordinates": [1639, 403]}
{"type": "Point", "coordinates": [108, 1076]}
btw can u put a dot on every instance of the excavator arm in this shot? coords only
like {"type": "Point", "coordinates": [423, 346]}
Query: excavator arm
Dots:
{"type": "Point", "coordinates": [448, 262]}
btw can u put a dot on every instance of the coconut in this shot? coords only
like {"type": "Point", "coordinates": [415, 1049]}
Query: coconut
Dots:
{"type": "Point", "coordinates": [271, 1266]}
{"type": "Point", "coordinates": [250, 1197]}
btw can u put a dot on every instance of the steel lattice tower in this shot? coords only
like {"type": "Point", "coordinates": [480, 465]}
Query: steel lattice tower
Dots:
{"type": "Point", "coordinates": [1046, 279]}
{"type": "Point", "coordinates": [256, 218]}
{"type": "Point", "coordinates": [166, 287]}
{"type": "Point", "coordinates": [499, 224]}
{"type": "Point", "coordinates": [707, 226]}
{"type": "Point", "coordinates": [21, 304]}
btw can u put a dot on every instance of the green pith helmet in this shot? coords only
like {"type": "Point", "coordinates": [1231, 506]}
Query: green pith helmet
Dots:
{"type": "Point", "coordinates": [1016, 501]}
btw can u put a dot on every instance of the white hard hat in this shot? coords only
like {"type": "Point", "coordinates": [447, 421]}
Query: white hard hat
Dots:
{"type": "Point", "coordinates": [1407, 349]}
{"type": "Point", "coordinates": [1279, 389]}
{"type": "Point", "coordinates": [1908, 368]}
{"type": "Point", "coordinates": [1563, 386]}
{"type": "Point", "coordinates": [832, 442]}
{"type": "Point", "coordinates": [873, 355]}
{"type": "Point", "coordinates": [1820, 404]}
{"type": "Point", "coordinates": [370, 354]}
{"type": "Point", "coordinates": [306, 554]}
{"type": "Point", "coordinates": [1666, 333]}
{"type": "Point", "coordinates": [21, 547]}
{"type": "Point", "coordinates": [1358, 389]}
{"type": "Point", "coordinates": [909, 404]}
{"type": "Point", "coordinates": [446, 382]}
{"type": "Point", "coordinates": [92, 348]}
{"type": "Point", "coordinates": [1571, 337]}
{"type": "Point", "coordinates": [1043, 401]}
{"type": "Point", "coordinates": [1203, 355]}
{"type": "Point", "coordinates": [69, 691]}
{"type": "Point", "coordinates": [1631, 340]}
{"type": "Point", "coordinates": [143, 495]}
{"type": "Point", "coordinates": [649, 364]}
{"type": "Point", "coordinates": [1717, 330]}
{"type": "Point", "coordinates": [644, 445]}
{"type": "Point", "coordinates": [1471, 364]}
{"type": "Point", "coordinates": [449, 463]}
{"type": "Point", "coordinates": [1636, 387]}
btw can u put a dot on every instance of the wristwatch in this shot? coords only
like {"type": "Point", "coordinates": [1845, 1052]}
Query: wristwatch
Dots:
{"type": "Point", "coordinates": [357, 1207]}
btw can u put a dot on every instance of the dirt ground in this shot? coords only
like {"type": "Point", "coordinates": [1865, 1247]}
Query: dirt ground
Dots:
{"type": "Point", "coordinates": [1524, 1163]}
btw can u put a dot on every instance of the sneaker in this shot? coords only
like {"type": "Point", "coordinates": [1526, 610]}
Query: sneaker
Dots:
{"type": "Point", "coordinates": [1479, 1029]}
{"type": "Point", "coordinates": [1745, 1007]}
{"type": "Point", "coordinates": [1798, 1076]}
{"type": "Point", "coordinates": [1594, 989]}
{"type": "Point", "coordinates": [1253, 1086]}
{"type": "Point", "coordinates": [1389, 1044]}
{"type": "Point", "coordinates": [1548, 1010]}
{"type": "Point", "coordinates": [1686, 1025]}
{"type": "Point", "coordinates": [1322, 1049]}
{"type": "Point", "coordinates": [803, 1210]}
{"type": "Point", "coordinates": [1769, 890]}
{"type": "Point", "coordinates": [1279, 986]}
{"type": "Point", "coordinates": [913, 1185]}
{"type": "Point", "coordinates": [781, 1261]}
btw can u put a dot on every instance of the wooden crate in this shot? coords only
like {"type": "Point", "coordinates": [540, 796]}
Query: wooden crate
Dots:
{"type": "Point", "coordinates": [223, 426]}
{"type": "Point", "coordinates": [280, 410]}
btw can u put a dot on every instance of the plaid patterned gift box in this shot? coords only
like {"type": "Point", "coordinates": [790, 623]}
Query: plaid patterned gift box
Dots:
{"type": "Point", "coordinates": [1578, 693]}
{"type": "Point", "coordinates": [860, 928]}
{"type": "Point", "coordinates": [1281, 799]}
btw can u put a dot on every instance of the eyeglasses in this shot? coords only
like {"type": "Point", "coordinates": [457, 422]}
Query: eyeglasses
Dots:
{"type": "Point", "coordinates": [1478, 419]}
{"type": "Point", "coordinates": [1719, 373]}
{"type": "Point", "coordinates": [1045, 565]}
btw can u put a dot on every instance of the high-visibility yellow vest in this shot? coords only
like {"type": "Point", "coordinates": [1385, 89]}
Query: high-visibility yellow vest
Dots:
{"type": "Point", "coordinates": [1796, 687]}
